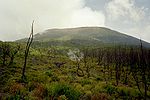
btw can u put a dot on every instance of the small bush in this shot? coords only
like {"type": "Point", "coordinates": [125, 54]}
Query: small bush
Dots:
{"type": "Point", "coordinates": [56, 90]}
{"type": "Point", "coordinates": [110, 89]}
{"type": "Point", "coordinates": [18, 92]}
{"type": "Point", "coordinates": [128, 93]}
{"type": "Point", "coordinates": [100, 96]}
{"type": "Point", "coordinates": [99, 88]}
{"type": "Point", "coordinates": [49, 73]}
{"type": "Point", "coordinates": [32, 86]}
{"type": "Point", "coordinates": [17, 88]}
{"type": "Point", "coordinates": [39, 92]}
{"type": "Point", "coordinates": [123, 92]}
{"type": "Point", "coordinates": [86, 97]}
{"type": "Point", "coordinates": [15, 97]}
{"type": "Point", "coordinates": [85, 82]}
{"type": "Point", "coordinates": [55, 78]}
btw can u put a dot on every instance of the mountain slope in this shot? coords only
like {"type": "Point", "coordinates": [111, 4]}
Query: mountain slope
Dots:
{"type": "Point", "coordinates": [87, 36]}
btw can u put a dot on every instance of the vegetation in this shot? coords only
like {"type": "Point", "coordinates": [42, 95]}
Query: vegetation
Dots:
{"type": "Point", "coordinates": [71, 72]}
{"type": "Point", "coordinates": [84, 36]}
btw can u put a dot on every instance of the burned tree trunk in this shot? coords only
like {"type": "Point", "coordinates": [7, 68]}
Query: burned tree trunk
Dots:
{"type": "Point", "coordinates": [30, 39]}
{"type": "Point", "coordinates": [143, 69]}
{"type": "Point", "coordinates": [80, 72]}
{"type": "Point", "coordinates": [86, 64]}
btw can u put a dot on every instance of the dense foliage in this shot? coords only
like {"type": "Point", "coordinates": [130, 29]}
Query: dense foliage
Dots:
{"type": "Point", "coordinates": [74, 73]}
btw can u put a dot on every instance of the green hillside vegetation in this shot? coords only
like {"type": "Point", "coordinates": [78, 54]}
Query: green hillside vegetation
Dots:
{"type": "Point", "coordinates": [67, 65]}
{"type": "Point", "coordinates": [85, 36]}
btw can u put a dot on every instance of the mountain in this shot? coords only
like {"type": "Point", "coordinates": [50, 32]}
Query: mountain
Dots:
{"type": "Point", "coordinates": [86, 36]}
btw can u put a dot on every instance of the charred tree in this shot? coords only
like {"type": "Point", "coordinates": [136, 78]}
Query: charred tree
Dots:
{"type": "Point", "coordinates": [30, 39]}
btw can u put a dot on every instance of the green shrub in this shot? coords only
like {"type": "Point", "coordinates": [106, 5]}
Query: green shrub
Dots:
{"type": "Point", "coordinates": [37, 77]}
{"type": "Point", "coordinates": [110, 89]}
{"type": "Point", "coordinates": [15, 97]}
{"type": "Point", "coordinates": [32, 86]}
{"type": "Point", "coordinates": [17, 91]}
{"type": "Point", "coordinates": [123, 92]}
{"type": "Point", "coordinates": [56, 90]}
{"type": "Point", "coordinates": [128, 93]}
{"type": "Point", "coordinates": [135, 93]}
{"type": "Point", "coordinates": [85, 82]}
{"type": "Point", "coordinates": [49, 73]}
{"type": "Point", "coordinates": [55, 78]}
{"type": "Point", "coordinates": [99, 87]}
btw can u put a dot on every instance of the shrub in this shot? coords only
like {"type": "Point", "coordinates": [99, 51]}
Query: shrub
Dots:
{"type": "Point", "coordinates": [85, 82]}
{"type": "Point", "coordinates": [110, 89]}
{"type": "Point", "coordinates": [100, 96]}
{"type": "Point", "coordinates": [18, 92]}
{"type": "Point", "coordinates": [123, 92]}
{"type": "Point", "coordinates": [15, 97]}
{"type": "Point", "coordinates": [56, 90]}
{"type": "Point", "coordinates": [99, 87]}
{"type": "Point", "coordinates": [49, 73]}
{"type": "Point", "coordinates": [32, 86]}
{"type": "Point", "coordinates": [17, 88]}
{"type": "Point", "coordinates": [86, 97]}
{"type": "Point", "coordinates": [135, 94]}
{"type": "Point", "coordinates": [129, 93]}
{"type": "Point", "coordinates": [55, 78]}
{"type": "Point", "coordinates": [39, 92]}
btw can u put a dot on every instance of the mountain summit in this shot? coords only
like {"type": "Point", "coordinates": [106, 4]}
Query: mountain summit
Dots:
{"type": "Point", "coordinates": [87, 36]}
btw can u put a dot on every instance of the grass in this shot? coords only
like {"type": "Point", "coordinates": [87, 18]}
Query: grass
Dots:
{"type": "Point", "coordinates": [46, 81]}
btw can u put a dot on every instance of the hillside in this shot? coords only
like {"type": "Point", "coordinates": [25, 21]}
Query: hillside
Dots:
{"type": "Point", "coordinates": [86, 36]}
{"type": "Point", "coordinates": [59, 66]}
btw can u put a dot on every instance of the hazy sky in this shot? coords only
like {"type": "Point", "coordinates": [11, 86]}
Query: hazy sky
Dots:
{"type": "Point", "coordinates": [128, 16]}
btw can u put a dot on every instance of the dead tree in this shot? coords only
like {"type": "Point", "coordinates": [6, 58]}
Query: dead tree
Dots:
{"type": "Point", "coordinates": [12, 54]}
{"type": "Point", "coordinates": [134, 69]}
{"type": "Point", "coordinates": [100, 55]}
{"type": "Point", "coordinates": [126, 68]}
{"type": "Point", "coordinates": [85, 61]}
{"type": "Point", "coordinates": [117, 64]}
{"type": "Point", "coordinates": [59, 64]}
{"type": "Point", "coordinates": [30, 39]}
{"type": "Point", "coordinates": [143, 67]}
{"type": "Point", "coordinates": [79, 70]}
{"type": "Point", "coordinates": [76, 56]}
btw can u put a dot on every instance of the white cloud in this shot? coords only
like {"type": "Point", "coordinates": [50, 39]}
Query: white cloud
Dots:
{"type": "Point", "coordinates": [141, 32]}
{"type": "Point", "coordinates": [126, 9]}
{"type": "Point", "coordinates": [17, 15]}
{"type": "Point", "coordinates": [87, 17]}
{"type": "Point", "coordinates": [122, 15]}
{"type": "Point", "coordinates": [125, 16]}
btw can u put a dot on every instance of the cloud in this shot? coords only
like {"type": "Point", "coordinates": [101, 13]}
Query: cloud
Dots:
{"type": "Point", "coordinates": [87, 17]}
{"type": "Point", "coordinates": [125, 16]}
{"type": "Point", "coordinates": [17, 15]}
{"type": "Point", "coordinates": [140, 32]}
{"type": "Point", "coordinates": [122, 15]}
{"type": "Point", "coordinates": [125, 9]}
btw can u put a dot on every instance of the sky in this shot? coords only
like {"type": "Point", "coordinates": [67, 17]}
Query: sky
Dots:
{"type": "Point", "coordinates": [131, 17]}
